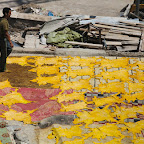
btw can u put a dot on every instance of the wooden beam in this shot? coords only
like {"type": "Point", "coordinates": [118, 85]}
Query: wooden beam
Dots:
{"type": "Point", "coordinates": [102, 32]}
{"type": "Point", "coordinates": [121, 26]}
{"type": "Point", "coordinates": [130, 43]}
{"type": "Point", "coordinates": [141, 47]}
{"type": "Point", "coordinates": [136, 16]}
{"type": "Point", "coordinates": [113, 43]}
{"type": "Point", "coordinates": [117, 28]}
{"type": "Point", "coordinates": [127, 10]}
{"type": "Point", "coordinates": [133, 7]}
{"type": "Point", "coordinates": [132, 23]}
{"type": "Point", "coordinates": [126, 48]}
{"type": "Point", "coordinates": [120, 37]}
{"type": "Point", "coordinates": [126, 32]}
{"type": "Point", "coordinates": [89, 45]}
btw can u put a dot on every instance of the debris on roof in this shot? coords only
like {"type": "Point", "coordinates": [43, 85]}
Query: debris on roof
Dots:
{"type": "Point", "coordinates": [32, 27]}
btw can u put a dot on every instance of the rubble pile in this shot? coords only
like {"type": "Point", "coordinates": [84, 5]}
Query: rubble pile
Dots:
{"type": "Point", "coordinates": [33, 29]}
{"type": "Point", "coordinates": [124, 36]}
{"type": "Point", "coordinates": [34, 9]}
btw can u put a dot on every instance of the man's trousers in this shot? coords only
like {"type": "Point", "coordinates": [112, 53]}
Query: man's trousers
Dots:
{"type": "Point", "coordinates": [5, 49]}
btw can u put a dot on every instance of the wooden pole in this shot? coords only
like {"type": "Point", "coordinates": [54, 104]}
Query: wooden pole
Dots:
{"type": "Point", "coordinates": [137, 7]}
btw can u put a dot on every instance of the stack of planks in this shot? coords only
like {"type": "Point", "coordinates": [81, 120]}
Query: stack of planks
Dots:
{"type": "Point", "coordinates": [125, 36]}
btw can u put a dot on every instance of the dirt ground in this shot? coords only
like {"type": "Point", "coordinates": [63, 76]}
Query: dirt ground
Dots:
{"type": "Point", "coordinates": [80, 7]}
{"type": "Point", "coordinates": [19, 76]}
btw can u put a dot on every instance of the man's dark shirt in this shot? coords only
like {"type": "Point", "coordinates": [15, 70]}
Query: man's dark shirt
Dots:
{"type": "Point", "coordinates": [4, 26]}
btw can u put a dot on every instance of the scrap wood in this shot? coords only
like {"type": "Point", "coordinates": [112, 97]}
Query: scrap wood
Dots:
{"type": "Point", "coordinates": [118, 28]}
{"type": "Point", "coordinates": [126, 32]}
{"type": "Point", "coordinates": [32, 29]}
{"type": "Point", "coordinates": [102, 32]}
{"type": "Point", "coordinates": [113, 43]}
{"type": "Point", "coordinates": [126, 48]}
{"type": "Point", "coordinates": [136, 16]}
{"type": "Point", "coordinates": [132, 23]}
{"type": "Point", "coordinates": [90, 30]}
{"type": "Point", "coordinates": [83, 25]}
{"type": "Point", "coordinates": [130, 42]}
{"type": "Point", "coordinates": [89, 45]}
{"type": "Point", "coordinates": [52, 48]}
{"type": "Point", "coordinates": [127, 10]}
{"type": "Point", "coordinates": [120, 37]}
{"type": "Point", "coordinates": [141, 47]}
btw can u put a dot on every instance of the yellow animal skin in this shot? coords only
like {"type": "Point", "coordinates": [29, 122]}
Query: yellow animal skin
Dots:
{"type": "Point", "coordinates": [138, 75]}
{"type": "Point", "coordinates": [134, 127]}
{"type": "Point", "coordinates": [61, 132]}
{"type": "Point", "coordinates": [76, 141]}
{"type": "Point", "coordinates": [115, 63]}
{"type": "Point", "coordinates": [138, 141]}
{"type": "Point", "coordinates": [104, 131]}
{"type": "Point", "coordinates": [76, 85]}
{"type": "Point", "coordinates": [46, 80]}
{"type": "Point", "coordinates": [107, 101]}
{"type": "Point", "coordinates": [74, 107]}
{"type": "Point", "coordinates": [18, 116]}
{"type": "Point", "coordinates": [112, 87]}
{"type": "Point", "coordinates": [13, 98]}
{"type": "Point", "coordinates": [95, 115]}
{"type": "Point", "coordinates": [69, 97]}
{"type": "Point", "coordinates": [121, 75]}
{"type": "Point", "coordinates": [5, 84]}
{"type": "Point", "coordinates": [18, 60]}
{"type": "Point", "coordinates": [135, 87]}
{"type": "Point", "coordinates": [80, 72]}
{"type": "Point", "coordinates": [46, 70]}
{"type": "Point", "coordinates": [133, 97]}
{"type": "Point", "coordinates": [123, 113]}
{"type": "Point", "coordinates": [77, 61]}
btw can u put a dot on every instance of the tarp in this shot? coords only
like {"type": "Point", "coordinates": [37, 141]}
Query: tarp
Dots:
{"type": "Point", "coordinates": [58, 38]}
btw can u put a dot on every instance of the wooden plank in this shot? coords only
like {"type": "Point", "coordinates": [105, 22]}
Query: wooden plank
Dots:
{"type": "Point", "coordinates": [89, 45]}
{"type": "Point", "coordinates": [130, 42]}
{"type": "Point", "coordinates": [141, 48]}
{"type": "Point", "coordinates": [113, 43]}
{"type": "Point", "coordinates": [126, 32]}
{"type": "Point", "coordinates": [126, 48]}
{"type": "Point", "coordinates": [132, 23]}
{"type": "Point", "coordinates": [127, 10]}
{"type": "Point", "coordinates": [110, 27]}
{"type": "Point", "coordinates": [120, 37]}
{"type": "Point", "coordinates": [94, 31]}
{"type": "Point", "coordinates": [121, 26]}
{"type": "Point", "coordinates": [102, 32]}
{"type": "Point", "coordinates": [133, 14]}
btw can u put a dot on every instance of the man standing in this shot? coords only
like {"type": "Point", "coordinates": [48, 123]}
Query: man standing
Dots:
{"type": "Point", "coordinates": [5, 41]}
